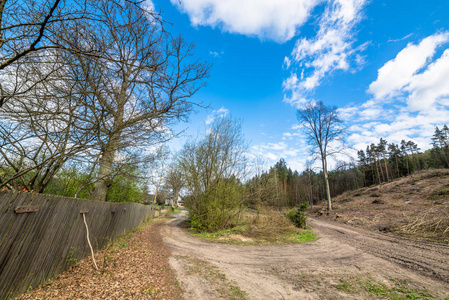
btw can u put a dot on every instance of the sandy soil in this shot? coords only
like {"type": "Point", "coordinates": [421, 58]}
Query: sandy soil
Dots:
{"type": "Point", "coordinates": [392, 206]}
{"type": "Point", "coordinates": [345, 263]}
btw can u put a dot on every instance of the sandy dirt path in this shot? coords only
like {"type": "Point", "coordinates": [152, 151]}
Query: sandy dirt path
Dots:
{"type": "Point", "coordinates": [343, 264]}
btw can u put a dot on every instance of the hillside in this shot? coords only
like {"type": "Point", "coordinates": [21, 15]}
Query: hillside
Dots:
{"type": "Point", "coordinates": [416, 206]}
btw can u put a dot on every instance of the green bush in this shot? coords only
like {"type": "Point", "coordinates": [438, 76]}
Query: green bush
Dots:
{"type": "Point", "coordinates": [218, 207]}
{"type": "Point", "coordinates": [297, 216]}
{"type": "Point", "coordinates": [303, 206]}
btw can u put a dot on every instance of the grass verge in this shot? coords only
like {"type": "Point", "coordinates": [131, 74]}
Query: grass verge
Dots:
{"type": "Point", "coordinates": [226, 288]}
{"type": "Point", "coordinates": [250, 235]}
{"type": "Point", "coordinates": [396, 289]}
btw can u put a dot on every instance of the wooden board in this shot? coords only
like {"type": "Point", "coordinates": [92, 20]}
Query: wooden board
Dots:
{"type": "Point", "coordinates": [26, 209]}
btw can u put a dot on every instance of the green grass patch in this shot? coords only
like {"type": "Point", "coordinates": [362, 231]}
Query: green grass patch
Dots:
{"type": "Point", "coordinates": [344, 286]}
{"type": "Point", "coordinates": [302, 237]}
{"type": "Point", "coordinates": [395, 289]}
{"type": "Point", "coordinates": [399, 290]}
{"type": "Point", "coordinates": [225, 233]}
{"type": "Point", "coordinates": [249, 235]}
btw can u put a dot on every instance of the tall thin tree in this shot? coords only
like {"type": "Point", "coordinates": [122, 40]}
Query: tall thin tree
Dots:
{"type": "Point", "coordinates": [322, 127]}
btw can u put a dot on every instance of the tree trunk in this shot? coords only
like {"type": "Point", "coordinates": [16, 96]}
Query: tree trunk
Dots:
{"type": "Point", "coordinates": [406, 162]}
{"type": "Point", "coordinates": [397, 165]}
{"type": "Point", "coordinates": [364, 175]}
{"type": "Point", "coordinates": [104, 173]}
{"type": "Point", "coordinates": [386, 168]}
{"type": "Point", "coordinates": [326, 182]}
{"type": "Point", "coordinates": [175, 197]}
{"type": "Point", "coordinates": [377, 169]}
{"type": "Point", "coordinates": [379, 164]}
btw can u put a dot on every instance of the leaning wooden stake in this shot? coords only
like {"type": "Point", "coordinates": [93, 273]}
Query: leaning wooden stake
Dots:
{"type": "Point", "coordinates": [88, 240]}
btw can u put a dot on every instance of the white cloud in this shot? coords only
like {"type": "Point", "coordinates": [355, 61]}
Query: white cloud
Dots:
{"type": "Point", "coordinates": [430, 87]}
{"type": "Point", "coordinates": [216, 54]}
{"type": "Point", "coordinates": [400, 39]}
{"type": "Point", "coordinates": [275, 146]}
{"type": "Point", "coordinates": [331, 49]}
{"type": "Point", "coordinates": [271, 156]}
{"type": "Point", "coordinates": [398, 72]}
{"type": "Point", "coordinates": [411, 97]}
{"type": "Point", "coordinates": [220, 113]}
{"type": "Point", "coordinates": [276, 20]}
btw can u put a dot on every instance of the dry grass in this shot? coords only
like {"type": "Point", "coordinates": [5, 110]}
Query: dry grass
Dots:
{"type": "Point", "coordinates": [433, 222]}
{"type": "Point", "coordinates": [416, 206]}
{"type": "Point", "coordinates": [268, 224]}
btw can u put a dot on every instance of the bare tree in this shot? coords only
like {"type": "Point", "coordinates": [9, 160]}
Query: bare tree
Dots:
{"type": "Point", "coordinates": [40, 130]}
{"type": "Point", "coordinates": [158, 169]}
{"type": "Point", "coordinates": [137, 88]}
{"type": "Point", "coordinates": [212, 168]}
{"type": "Point", "coordinates": [322, 127]}
{"type": "Point", "coordinates": [219, 155]}
{"type": "Point", "coordinates": [28, 28]}
{"type": "Point", "coordinates": [37, 137]}
{"type": "Point", "coordinates": [116, 80]}
{"type": "Point", "coordinates": [175, 181]}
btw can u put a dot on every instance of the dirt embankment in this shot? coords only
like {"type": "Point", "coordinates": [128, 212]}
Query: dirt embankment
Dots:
{"type": "Point", "coordinates": [415, 206]}
{"type": "Point", "coordinates": [345, 263]}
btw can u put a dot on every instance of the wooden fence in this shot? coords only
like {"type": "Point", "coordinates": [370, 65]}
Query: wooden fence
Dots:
{"type": "Point", "coordinates": [35, 246]}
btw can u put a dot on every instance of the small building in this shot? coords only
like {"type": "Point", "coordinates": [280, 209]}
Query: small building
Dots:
{"type": "Point", "coordinates": [173, 200]}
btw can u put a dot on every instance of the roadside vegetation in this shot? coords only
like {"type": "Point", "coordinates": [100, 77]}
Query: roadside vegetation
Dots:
{"type": "Point", "coordinates": [263, 227]}
{"type": "Point", "coordinates": [270, 206]}
{"type": "Point", "coordinates": [395, 289]}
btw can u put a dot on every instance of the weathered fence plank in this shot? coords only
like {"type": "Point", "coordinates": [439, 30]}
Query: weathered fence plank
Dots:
{"type": "Point", "coordinates": [38, 245]}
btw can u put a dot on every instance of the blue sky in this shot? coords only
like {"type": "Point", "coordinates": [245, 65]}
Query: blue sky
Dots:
{"type": "Point", "coordinates": [384, 64]}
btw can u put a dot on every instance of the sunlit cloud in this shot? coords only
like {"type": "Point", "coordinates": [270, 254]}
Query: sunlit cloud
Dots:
{"type": "Point", "coordinates": [331, 49]}
{"type": "Point", "coordinates": [410, 97]}
{"type": "Point", "coordinates": [399, 72]}
{"type": "Point", "coordinates": [220, 113]}
{"type": "Point", "coordinates": [275, 20]}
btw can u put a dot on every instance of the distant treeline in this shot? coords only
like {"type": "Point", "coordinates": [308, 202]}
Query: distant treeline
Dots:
{"type": "Point", "coordinates": [281, 186]}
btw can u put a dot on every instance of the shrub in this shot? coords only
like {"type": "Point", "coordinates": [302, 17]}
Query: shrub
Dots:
{"type": "Point", "coordinates": [218, 207]}
{"type": "Point", "coordinates": [297, 216]}
{"type": "Point", "coordinates": [303, 206]}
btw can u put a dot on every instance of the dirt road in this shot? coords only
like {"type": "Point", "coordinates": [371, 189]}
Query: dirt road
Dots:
{"type": "Point", "coordinates": [345, 263]}
{"type": "Point", "coordinates": [431, 259]}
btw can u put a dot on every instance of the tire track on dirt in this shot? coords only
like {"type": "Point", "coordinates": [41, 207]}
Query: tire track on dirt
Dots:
{"type": "Point", "coordinates": [428, 258]}
{"type": "Point", "coordinates": [301, 271]}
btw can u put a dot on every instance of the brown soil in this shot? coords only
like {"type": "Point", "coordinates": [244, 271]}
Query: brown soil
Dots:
{"type": "Point", "coordinates": [134, 267]}
{"type": "Point", "coordinates": [415, 206]}
{"type": "Point", "coordinates": [345, 263]}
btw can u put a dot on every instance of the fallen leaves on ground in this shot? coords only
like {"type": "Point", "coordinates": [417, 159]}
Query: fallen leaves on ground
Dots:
{"type": "Point", "coordinates": [133, 267]}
